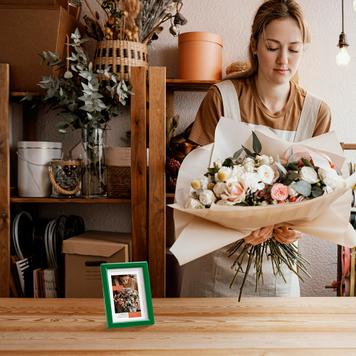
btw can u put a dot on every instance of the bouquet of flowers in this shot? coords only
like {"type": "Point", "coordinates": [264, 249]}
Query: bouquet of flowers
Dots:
{"type": "Point", "coordinates": [296, 185]}
{"type": "Point", "coordinates": [127, 300]}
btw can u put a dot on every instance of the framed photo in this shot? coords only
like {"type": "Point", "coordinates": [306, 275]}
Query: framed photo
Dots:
{"type": "Point", "coordinates": [127, 294]}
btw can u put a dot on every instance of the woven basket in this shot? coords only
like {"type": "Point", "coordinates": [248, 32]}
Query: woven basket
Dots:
{"type": "Point", "coordinates": [120, 56]}
{"type": "Point", "coordinates": [119, 182]}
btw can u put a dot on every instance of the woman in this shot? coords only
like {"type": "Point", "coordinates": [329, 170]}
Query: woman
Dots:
{"type": "Point", "coordinates": [264, 96]}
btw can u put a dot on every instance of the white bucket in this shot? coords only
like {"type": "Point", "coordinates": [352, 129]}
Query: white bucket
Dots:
{"type": "Point", "coordinates": [32, 162]}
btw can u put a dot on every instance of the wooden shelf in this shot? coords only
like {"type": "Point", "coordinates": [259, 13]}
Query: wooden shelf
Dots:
{"type": "Point", "coordinates": [20, 94]}
{"type": "Point", "coordinates": [189, 85]}
{"type": "Point", "coordinates": [93, 201]}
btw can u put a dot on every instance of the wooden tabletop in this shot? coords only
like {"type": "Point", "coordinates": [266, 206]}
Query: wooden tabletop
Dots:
{"type": "Point", "coordinates": [255, 326]}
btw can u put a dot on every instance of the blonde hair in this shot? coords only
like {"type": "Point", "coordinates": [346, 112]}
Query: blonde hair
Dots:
{"type": "Point", "coordinates": [269, 11]}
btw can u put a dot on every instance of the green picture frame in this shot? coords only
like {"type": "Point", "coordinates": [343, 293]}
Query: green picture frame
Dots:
{"type": "Point", "coordinates": [127, 294]}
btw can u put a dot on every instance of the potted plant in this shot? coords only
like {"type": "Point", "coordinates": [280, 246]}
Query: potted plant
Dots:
{"type": "Point", "coordinates": [84, 102]}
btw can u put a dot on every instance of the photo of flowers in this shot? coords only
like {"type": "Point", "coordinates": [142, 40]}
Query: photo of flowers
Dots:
{"type": "Point", "coordinates": [127, 294]}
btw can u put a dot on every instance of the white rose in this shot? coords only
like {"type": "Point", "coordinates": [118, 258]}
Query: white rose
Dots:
{"type": "Point", "coordinates": [266, 174]}
{"type": "Point", "coordinates": [249, 164]}
{"type": "Point", "coordinates": [207, 197]}
{"type": "Point", "coordinates": [236, 174]}
{"type": "Point", "coordinates": [193, 204]}
{"type": "Point", "coordinates": [238, 171]}
{"type": "Point", "coordinates": [309, 175]}
{"type": "Point", "coordinates": [252, 182]}
{"type": "Point", "coordinates": [331, 179]}
{"type": "Point", "coordinates": [219, 188]}
{"type": "Point", "coordinates": [224, 174]}
{"type": "Point", "coordinates": [264, 159]}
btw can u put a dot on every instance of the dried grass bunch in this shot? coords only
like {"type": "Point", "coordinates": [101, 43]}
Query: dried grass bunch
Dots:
{"type": "Point", "coordinates": [133, 20]}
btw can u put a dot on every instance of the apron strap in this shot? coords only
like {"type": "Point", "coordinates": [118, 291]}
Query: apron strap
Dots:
{"type": "Point", "coordinates": [230, 99]}
{"type": "Point", "coordinates": [308, 118]}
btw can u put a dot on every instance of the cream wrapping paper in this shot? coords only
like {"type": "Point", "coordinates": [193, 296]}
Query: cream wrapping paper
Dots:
{"type": "Point", "coordinates": [202, 231]}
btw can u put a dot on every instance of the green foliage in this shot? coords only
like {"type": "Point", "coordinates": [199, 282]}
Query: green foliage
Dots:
{"type": "Point", "coordinates": [237, 154]}
{"type": "Point", "coordinates": [228, 162]}
{"type": "Point", "coordinates": [82, 98]}
{"type": "Point", "coordinates": [302, 187]}
{"type": "Point", "coordinates": [212, 171]}
{"type": "Point", "coordinates": [290, 177]}
{"type": "Point", "coordinates": [293, 166]}
{"type": "Point", "coordinates": [256, 144]}
{"type": "Point", "coordinates": [317, 191]}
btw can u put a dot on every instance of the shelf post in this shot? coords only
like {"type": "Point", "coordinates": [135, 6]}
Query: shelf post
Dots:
{"type": "Point", "coordinates": [4, 181]}
{"type": "Point", "coordinates": [138, 164]}
{"type": "Point", "coordinates": [157, 180]}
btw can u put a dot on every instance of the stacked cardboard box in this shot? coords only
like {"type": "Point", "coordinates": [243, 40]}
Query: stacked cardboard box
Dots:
{"type": "Point", "coordinates": [84, 254]}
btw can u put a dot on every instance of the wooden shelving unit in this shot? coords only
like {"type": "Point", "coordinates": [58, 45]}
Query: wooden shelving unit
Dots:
{"type": "Point", "coordinates": [148, 192]}
{"type": "Point", "coordinates": [139, 172]}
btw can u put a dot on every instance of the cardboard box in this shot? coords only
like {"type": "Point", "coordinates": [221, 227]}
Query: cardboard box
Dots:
{"type": "Point", "coordinates": [27, 31]}
{"type": "Point", "coordinates": [84, 254]}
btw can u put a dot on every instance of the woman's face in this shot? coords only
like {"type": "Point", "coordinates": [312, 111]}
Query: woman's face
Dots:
{"type": "Point", "coordinates": [279, 51]}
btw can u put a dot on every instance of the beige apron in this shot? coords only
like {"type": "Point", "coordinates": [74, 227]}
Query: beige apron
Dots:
{"type": "Point", "coordinates": [210, 275]}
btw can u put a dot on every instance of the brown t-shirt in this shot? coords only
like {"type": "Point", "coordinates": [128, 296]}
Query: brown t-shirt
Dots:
{"type": "Point", "coordinates": [253, 111]}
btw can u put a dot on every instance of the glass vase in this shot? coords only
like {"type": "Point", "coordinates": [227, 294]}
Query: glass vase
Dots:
{"type": "Point", "coordinates": [94, 172]}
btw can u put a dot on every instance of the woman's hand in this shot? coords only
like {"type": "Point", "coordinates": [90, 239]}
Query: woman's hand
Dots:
{"type": "Point", "coordinates": [285, 235]}
{"type": "Point", "coordinates": [258, 236]}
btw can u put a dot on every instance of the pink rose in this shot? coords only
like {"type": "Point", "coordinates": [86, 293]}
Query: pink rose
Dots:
{"type": "Point", "coordinates": [279, 192]}
{"type": "Point", "coordinates": [234, 193]}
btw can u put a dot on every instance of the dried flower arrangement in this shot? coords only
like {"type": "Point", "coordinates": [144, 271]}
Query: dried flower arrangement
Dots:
{"type": "Point", "coordinates": [134, 20]}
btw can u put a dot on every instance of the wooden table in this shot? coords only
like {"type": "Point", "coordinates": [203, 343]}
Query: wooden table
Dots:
{"type": "Point", "coordinates": [255, 326]}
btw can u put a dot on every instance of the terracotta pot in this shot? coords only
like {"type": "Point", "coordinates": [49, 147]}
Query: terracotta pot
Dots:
{"type": "Point", "coordinates": [200, 56]}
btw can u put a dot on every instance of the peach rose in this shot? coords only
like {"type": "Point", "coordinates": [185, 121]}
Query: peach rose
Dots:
{"type": "Point", "coordinates": [234, 193]}
{"type": "Point", "coordinates": [279, 192]}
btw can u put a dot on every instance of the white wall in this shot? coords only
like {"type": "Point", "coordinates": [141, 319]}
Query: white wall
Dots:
{"type": "Point", "coordinates": [319, 74]}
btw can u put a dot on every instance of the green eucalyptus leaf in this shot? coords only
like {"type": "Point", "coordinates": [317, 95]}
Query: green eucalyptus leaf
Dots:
{"type": "Point", "coordinates": [292, 175]}
{"type": "Point", "coordinates": [317, 191]}
{"type": "Point", "coordinates": [302, 187]}
{"type": "Point", "coordinates": [256, 144]}
{"type": "Point", "coordinates": [238, 153]}
{"type": "Point", "coordinates": [248, 152]}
